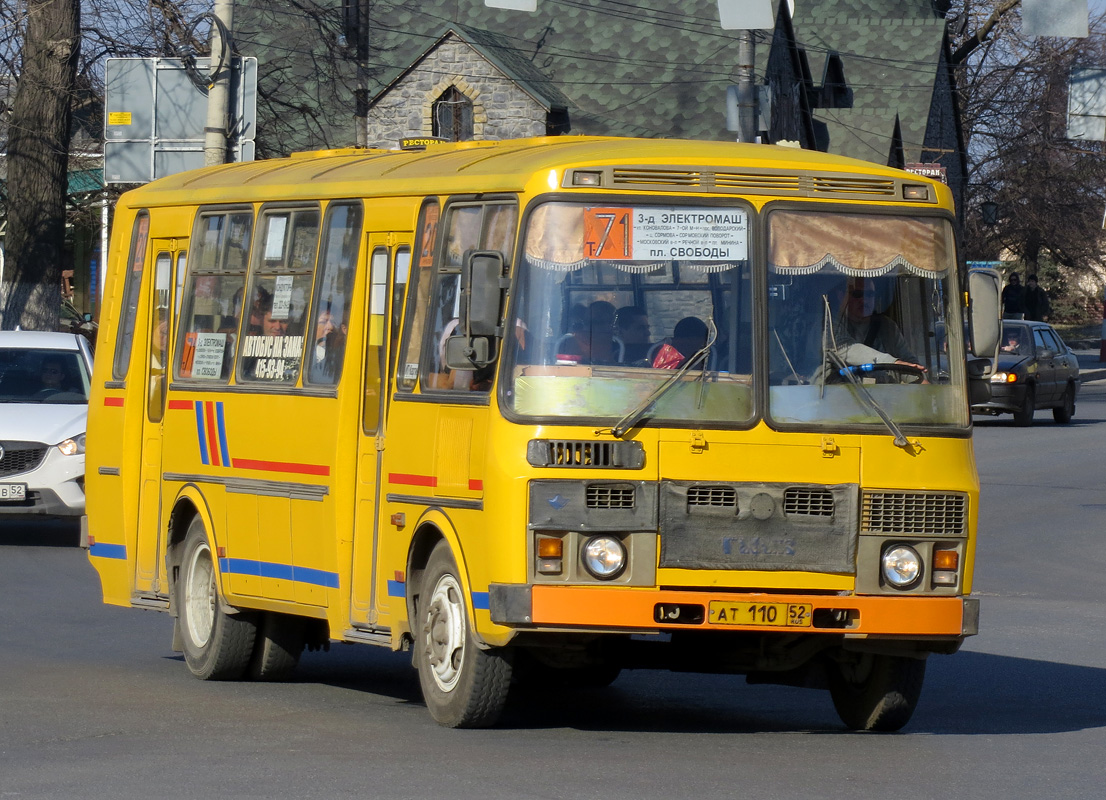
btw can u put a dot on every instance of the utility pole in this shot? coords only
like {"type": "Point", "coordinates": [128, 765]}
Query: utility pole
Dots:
{"type": "Point", "coordinates": [361, 93]}
{"type": "Point", "coordinates": [218, 95]}
{"type": "Point", "coordinates": [746, 87]}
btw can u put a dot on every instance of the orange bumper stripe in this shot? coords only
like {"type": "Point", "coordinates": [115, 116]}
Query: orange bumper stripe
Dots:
{"type": "Point", "coordinates": [623, 607]}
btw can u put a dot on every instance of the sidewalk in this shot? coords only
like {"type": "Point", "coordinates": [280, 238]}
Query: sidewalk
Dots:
{"type": "Point", "coordinates": [1090, 368]}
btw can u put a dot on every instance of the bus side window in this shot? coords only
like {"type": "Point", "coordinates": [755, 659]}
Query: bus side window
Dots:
{"type": "Point", "coordinates": [418, 298]}
{"type": "Point", "coordinates": [476, 226]}
{"type": "Point", "coordinates": [132, 284]}
{"type": "Point", "coordinates": [375, 350]}
{"type": "Point", "coordinates": [210, 315]}
{"type": "Point", "coordinates": [272, 347]}
{"type": "Point", "coordinates": [159, 336]}
{"type": "Point", "coordinates": [333, 293]}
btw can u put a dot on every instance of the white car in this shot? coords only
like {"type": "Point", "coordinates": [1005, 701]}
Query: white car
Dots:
{"type": "Point", "coordinates": [44, 382]}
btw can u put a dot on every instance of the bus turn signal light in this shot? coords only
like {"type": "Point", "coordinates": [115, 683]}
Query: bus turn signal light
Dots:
{"type": "Point", "coordinates": [946, 559]}
{"type": "Point", "coordinates": [550, 555]}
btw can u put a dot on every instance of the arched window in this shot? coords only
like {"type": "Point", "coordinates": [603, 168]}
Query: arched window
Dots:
{"type": "Point", "coordinates": [453, 116]}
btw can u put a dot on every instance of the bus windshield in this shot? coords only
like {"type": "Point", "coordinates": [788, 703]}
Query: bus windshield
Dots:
{"type": "Point", "coordinates": [649, 308]}
{"type": "Point", "coordinates": [616, 304]}
{"type": "Point", "coordinates": [863, 317]}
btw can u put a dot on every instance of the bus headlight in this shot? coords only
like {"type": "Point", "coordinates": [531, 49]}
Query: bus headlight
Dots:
{"type": "Point", "coordinates": [72, 447]}
{"type": "Point", "coordinates": [604, 557]}
{"type": "Point", "coordinates": [902, 566]}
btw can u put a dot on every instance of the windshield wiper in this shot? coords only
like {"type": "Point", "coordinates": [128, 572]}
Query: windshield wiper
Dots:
{"type": "Point", "coordinates": [830, 355]}
{"type": "Point", "coordinates": [635, 416]}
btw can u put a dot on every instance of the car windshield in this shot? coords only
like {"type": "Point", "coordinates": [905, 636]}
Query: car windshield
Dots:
{"type": "Point", "coordinates": [40, 375]}
{"type": "Point", "coordinates": [864, 320]}
{"type": "Point", "coordinates": [614, 310]}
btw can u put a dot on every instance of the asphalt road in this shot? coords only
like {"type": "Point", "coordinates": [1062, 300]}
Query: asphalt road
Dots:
{"type": "Point", "coordinates": [94, 704]}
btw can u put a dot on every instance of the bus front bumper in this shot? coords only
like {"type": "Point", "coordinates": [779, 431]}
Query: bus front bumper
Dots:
{"type": "Point", "coordinates": [623, 609]}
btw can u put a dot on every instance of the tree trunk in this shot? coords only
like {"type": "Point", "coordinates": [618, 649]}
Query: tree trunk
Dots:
{"type": "Point", "coordinates": [38, 161]}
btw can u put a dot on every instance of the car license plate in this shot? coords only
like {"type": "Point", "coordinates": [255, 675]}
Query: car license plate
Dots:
{"type": "Point", "coordinates": [776, 615]}
{"type": "Point", "coordinates": [13, 491]}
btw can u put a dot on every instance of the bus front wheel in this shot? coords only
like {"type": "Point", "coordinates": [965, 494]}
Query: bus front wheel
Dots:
{"type": "Point", "coordinates": [463, 685]}
{"type": "Point", "coordinates": [876, 692]}
{"type": "Point", "coordinates": [217, 646]}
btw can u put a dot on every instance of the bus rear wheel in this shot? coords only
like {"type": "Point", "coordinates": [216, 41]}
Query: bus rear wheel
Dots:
{"type": "Point", "coordinates": [876, 692]}
{"type": "Point", "coordinates": [280, 641]}
{"type": "Point", "coordinates": [463, 685]}
{"type": "Point", "coordinates": [217, 646]}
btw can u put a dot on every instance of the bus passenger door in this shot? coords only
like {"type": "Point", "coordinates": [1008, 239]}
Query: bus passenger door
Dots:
{"type": "Point", "coordinates": [390, 261]}
{"type": "Point", "coordinates": [167, 259]}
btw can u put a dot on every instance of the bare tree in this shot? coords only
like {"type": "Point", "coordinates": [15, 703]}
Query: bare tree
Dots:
{"type": "Point", "coordinates": [1049, 191]}
{"type": "Point", "coordinates": [38, 158]}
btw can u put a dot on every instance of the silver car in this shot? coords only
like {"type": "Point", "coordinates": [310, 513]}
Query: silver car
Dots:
{"type": "Point", "coordinates": [44, 382]}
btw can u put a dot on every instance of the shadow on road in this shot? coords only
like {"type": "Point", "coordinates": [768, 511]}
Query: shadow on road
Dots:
{"type": "Point", "coordinates": [40, 532]}
{"type": "Point", "coordinates": [966, 694]}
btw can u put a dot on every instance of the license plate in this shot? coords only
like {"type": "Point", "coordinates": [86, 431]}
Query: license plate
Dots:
{"type": "Point", "coordinates": [13, 491]}
{"type": "Point", "coordinates": [774, 615]}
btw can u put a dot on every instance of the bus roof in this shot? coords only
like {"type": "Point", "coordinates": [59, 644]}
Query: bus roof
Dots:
{"type": "Point", "coordinates": [499, 166]}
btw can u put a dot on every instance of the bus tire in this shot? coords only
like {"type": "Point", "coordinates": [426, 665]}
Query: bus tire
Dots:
{"type": "Point", "coordinates": [876, 692]}
{"type": "Point", "coordinates": [279, 642]}
{"type": "Point", "coordinates": [463, 686]}
{"type": "Point", "coordinates": [217, 646]}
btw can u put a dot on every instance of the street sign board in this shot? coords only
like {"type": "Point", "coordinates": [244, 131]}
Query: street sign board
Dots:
{"type": "Point", "coordinates": [155, 117]}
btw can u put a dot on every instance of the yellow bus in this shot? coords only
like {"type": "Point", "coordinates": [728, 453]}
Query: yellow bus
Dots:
{"type": "Point", "coordinates": [542, 410]}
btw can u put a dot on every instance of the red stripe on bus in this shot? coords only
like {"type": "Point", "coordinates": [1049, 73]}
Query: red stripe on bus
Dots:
{"type": "Point", "coordinates": [281, 466]}
{"type": "Point", "coordinates": [212, 438]}
{"type": "Point", "coordinates": [412, 480]}
{"type": "Point", "coordinates": [476, 485]}
{"type": "Point", "coordinates": [113, 401]}
{"type": "Point", "coordinates": [180, 405]}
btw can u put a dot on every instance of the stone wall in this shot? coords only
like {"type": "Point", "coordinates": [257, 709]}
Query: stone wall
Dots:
{"type": "Point", "coordinates": [500, 109]}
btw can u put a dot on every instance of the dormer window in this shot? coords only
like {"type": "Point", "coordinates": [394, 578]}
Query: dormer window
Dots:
{"type": "Point", "coordinates": [452, 116]}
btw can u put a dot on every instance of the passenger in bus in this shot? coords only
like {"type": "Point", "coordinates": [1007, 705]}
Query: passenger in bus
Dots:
{"type": "Point", "coordinates": [591, 340]}
{"type": "Point", "coordinates": [688, 338]}
{"type": "Point", "coordinates": [631, 325]}
{"type": "Point", "coordinates": [269, 325]}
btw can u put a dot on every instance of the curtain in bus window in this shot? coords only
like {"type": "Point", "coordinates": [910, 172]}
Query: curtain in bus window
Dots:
{"type": "Point", "coordinates": [131, 285]}
{"type": "Point", "coordinates": [213, 297]}
{"type": "Point", "coordinates": [334, 293]}
{"type": "Point", "coordinates": [274, 340]}
{"type": "Point", "coordinates": [857, 244]}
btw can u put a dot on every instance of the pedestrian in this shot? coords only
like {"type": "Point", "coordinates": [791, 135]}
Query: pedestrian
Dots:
{"type": "Point", "coordinates": [1013, 299]}
{"type": "Point", "coordinates": [1036, 300]}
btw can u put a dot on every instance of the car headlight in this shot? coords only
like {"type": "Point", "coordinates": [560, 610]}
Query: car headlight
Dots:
{"type": "Point", "coordinates": [902, 566]}
{"type": "Point", "coordinates": [72, 447]}
{"type": "Point", "coordinates": [604, 557]}
{"type": "Point", "coordinates": [1004, 377]}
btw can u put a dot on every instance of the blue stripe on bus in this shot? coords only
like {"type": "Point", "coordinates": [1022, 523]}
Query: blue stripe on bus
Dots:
{"type": "Point", "coordinates": [287, 572]}
{"type": "Point", "coordinates": [222, 434]}
{"type": "Point", "coordinates": [109, 551]}
{"type": "Point", "coordinates": [480, 601]}
{"type": "Point", "coordinates": [397, 589]}
{"type": "Point", "coordinates": [200, 433]}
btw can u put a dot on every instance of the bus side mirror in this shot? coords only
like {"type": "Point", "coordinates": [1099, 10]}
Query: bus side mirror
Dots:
{"type": "Point", "coordinates": [464, 353]}
{"type": "Point", "coordinates": [984, 306]}
{"type": "Point", "coordinates": [482, 287]}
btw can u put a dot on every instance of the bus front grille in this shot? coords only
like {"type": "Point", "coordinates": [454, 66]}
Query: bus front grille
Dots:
{"type": "Point", "coordinates": [915, 513]}
{"type": "Point", "coordinates": [601, 495]}
{"type": "Point", "coordinates": [711, 497]}
{"type": "Point", "coordinates": [804, 502]}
